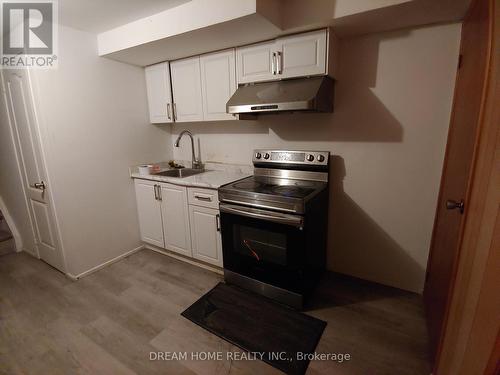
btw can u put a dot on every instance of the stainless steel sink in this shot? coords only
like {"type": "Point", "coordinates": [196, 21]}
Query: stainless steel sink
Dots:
{"type": "Point", "coordinates": [180, 173]}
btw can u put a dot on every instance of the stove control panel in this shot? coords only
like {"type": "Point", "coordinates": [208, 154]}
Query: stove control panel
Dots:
{"type": "Point", "coordinates": [319, 158]}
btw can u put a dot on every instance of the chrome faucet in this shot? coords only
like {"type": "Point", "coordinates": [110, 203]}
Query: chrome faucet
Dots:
{"type": "Point", "coordinates": [195, 163]}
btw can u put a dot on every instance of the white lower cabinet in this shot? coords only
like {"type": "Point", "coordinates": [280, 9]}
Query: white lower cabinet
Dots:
{"type": "Point", "coordinates": [175, 216]}
{"type": "Point", "coordinates": [163, 215]}
{"type": "Point", "coordinates": [205, 234]}
{"type": "Point", "coordinates": [169, 221]}
{"type": "Point", "coordinates": [149, 210]}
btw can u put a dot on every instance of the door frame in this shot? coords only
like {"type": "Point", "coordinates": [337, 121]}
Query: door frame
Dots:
{"type": "Point", "coordinates": [472, 322]}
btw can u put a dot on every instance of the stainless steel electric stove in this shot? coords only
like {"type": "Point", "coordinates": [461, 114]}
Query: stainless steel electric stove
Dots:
{"type": "Point", "coordinates": [274, 225]}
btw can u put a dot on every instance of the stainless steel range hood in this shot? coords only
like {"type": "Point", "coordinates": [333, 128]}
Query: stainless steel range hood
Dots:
{"type": "Point", "coordinates": [303, 94]}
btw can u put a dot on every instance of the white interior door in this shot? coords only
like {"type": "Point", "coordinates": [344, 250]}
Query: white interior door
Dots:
{"type": "Point", "coordinates": [186, 88]}
{"type": "Point", "coordinates": [159, 93]}
{"type": "Point", "coordinates": [23, 119]}
{"type": "Point", "coordinates": [175, 215]}
{"type": "Point", "coordinates": [218, 84]}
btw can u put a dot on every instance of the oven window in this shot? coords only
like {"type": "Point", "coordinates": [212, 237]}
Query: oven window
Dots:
{"type": "Point", "coordinates": [270, 252]}
{"type": "Point", "coordinates": [260, 245]}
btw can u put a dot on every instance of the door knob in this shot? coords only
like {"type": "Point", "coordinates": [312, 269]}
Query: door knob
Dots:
{"type": "Point", "coordinates": [39, 185]}
{"type": "Point", "coordinates": [451, 205]}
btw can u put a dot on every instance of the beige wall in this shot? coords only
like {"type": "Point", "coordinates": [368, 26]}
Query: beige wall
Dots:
{"type": "Point", "coordinates": [387, 137]}
{"type": "Point", "coordinates": [94, 126]}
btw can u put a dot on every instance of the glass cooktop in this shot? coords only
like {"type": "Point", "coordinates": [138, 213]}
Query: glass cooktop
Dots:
{"type": "Point", "coordinates": [286, 188]}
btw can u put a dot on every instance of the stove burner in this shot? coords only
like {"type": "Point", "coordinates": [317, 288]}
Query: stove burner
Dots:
{"type": "Point", "coordinates": [289, 190]}
{"type": "Point", "coordinates": [248, 185]}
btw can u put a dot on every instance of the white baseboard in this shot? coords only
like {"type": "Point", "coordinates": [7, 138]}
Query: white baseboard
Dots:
{"type": "Point", "coordinates": [72, 277]}
{"type": "Point", "coordinates": [31, 253]}
{"type": "Point", "coordinates": [105, 264]}
{"type": "Point", "coordinates": [184, 259]}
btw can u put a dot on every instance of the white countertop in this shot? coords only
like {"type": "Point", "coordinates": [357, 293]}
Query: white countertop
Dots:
{"type": "Point", "coordinates": [213, 177]}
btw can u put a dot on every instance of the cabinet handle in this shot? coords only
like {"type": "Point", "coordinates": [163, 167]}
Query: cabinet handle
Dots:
{"type": "Point", "coordinates": [156, 192]}
{"type": "Point", "coordinates": [279, 62]}
{"type": "Point", "coordinates": [160, 198]}
{"type": "Point", "coordinates": [206, 199]}
{"type": "Point", "coordinates": [274, 63]}
{"type": "Point", "coordinates": [168, 111]}
{"type": "Point", "coordinates": [174, 111]}
{"type": "Point", "coordinates": [217, 222]}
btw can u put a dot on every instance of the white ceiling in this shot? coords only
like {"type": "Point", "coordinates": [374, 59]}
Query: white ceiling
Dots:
{"type": "Point", "coordinates": [96, 16]}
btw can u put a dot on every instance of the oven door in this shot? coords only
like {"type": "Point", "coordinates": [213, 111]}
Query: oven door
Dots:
{"type": "Point", "coordinates": [264, 245]}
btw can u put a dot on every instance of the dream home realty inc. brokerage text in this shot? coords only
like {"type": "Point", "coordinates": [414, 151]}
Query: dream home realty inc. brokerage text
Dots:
{"type": "Point", "coordinates": [247, 356]}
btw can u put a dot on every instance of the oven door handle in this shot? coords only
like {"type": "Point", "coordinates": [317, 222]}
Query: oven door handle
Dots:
{"type": "Point", "coordinates": [276, 217]}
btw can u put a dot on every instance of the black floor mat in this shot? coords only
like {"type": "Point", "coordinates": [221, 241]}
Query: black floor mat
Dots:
{"type": "Point", "coordinates": [257, 324]}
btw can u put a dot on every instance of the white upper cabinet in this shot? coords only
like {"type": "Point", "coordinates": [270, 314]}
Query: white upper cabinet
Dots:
{"type": "Point", "coordinates": [256, 62]}
{"type": "Point", "coordinates": [186, 88]}
{"type": "Point", "coordinates": [218, 84]}
{"type": "Point", "coordinates": [302, 55]}
{"type": "Point", "coordinates": [291, 56]}
{"type": "Point", "coordinates": [198, 88]}
{"type": "Point", "coordinates": [159, 93]}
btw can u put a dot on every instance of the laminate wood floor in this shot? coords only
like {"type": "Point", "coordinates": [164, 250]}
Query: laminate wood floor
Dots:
{"type": "Point", "coordinates": [111, 321]}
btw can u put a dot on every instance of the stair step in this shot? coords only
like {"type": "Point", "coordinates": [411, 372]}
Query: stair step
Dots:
{"type": "Point", "coordinates": [5, 235]}
{"type": "Point", "coordinates": [7, 247]}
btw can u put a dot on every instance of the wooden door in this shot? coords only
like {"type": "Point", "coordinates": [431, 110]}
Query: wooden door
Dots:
{"type": "Point", "coordinates": [455, 182]}
{"type": "Point", "coordinates": [186, 88]}
{"type": "Point", "coordinates": [218, 84]}
{"type": "Point", "coordinates": [302, 55]}
{"type": "Point", "coordinates": [256, 63]}
{"type": "Point", "coordinates": [175, 215]}
{"type": "Point", "coordinates": [149, 211]}
{"type": "Point", "coordinates": [159, 93]}
{"type": "Point", "coordinates": [205, 234]}
{"type": "Point", "coordinates": [22, 114]}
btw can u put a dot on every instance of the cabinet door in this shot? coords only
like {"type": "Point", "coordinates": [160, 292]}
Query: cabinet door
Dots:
{"type": "Point", "coordinates": [186, 87]}
{"type": "Point", "coordinates": [302, 55]}
{"type": "Point", "coordinates": [148, 207]}
{"type": "Point", "coordinates": [159, 93]}
{"type": "Point", "coordinates": [205, 234]}
{"type": "Point", "coordinates": [175, 215]}
{"type": "Point", "coordinates": [218, 84]}
{"type": "Point", "coordinates": [255, 63]}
